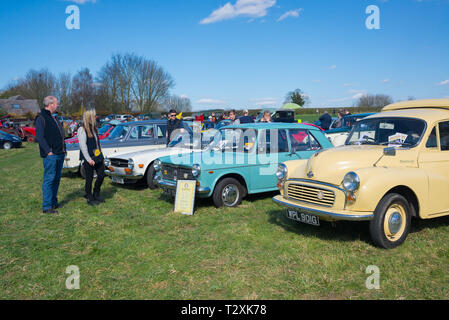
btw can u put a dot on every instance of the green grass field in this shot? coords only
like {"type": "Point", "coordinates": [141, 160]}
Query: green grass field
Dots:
{"type": "Point", "coordinates": [135, 247]}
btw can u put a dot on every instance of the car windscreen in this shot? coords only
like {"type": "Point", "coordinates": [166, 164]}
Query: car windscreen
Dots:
{"type": "Point", "coordinates": [236, 140]}
{"type": "Point", "coordinates": [119, 132]}
{"type": "Point", "coordinates": [405, 132]}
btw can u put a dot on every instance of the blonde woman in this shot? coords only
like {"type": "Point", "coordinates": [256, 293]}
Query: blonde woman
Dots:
{"type": "Point", "coordinates": [91, 157]}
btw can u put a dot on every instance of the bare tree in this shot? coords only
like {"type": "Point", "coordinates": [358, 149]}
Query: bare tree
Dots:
{"type": "Point", "coordinates": [180, 104]}
{"type": "Point", "coordinates": [37, 84]}
{"type": "Point", "coordinates": [83, 90]}
{"type": "Point", "coordinates": [127, 78]}
{"type": "Point", "coordinates": [376, 101]}
{"type": "Point", "coordinates": [64, 91]}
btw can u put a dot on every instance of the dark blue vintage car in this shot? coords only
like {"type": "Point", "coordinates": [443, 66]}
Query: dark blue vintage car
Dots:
{"type": "Point", "coordinates": [8, 141]}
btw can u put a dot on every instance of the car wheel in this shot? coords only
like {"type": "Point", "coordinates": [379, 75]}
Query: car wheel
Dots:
{"type": "Point", "coordinates": [150, 177]}
{"type": "Point", "coordinates": [7, 145]}
{"type": "Point", "coordinates": [30, 139]}
{"type": "Point", "coordinates": [391, 223]}
{"type": "Point", "coordinates": [228, 193]}
{"type": "Point", "coordinates": [82, 172]}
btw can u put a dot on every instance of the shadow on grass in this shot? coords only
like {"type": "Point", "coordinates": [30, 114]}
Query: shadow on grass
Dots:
{"type": "Point", "coordinates": [106, 193]}
{"type": "Point", "coordinates": [344, 230]}
{"type": "Point", "coordinates": [418, 224]}
{"type": "Point", "coordinates": [340, 231]}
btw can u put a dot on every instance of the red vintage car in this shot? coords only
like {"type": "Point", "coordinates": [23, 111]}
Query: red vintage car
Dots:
{"type": "Point", "coordinates": [103, 132]}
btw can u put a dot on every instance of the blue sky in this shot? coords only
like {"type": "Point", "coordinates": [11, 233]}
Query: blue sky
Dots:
{"type": "Point", "coordinates": [242, 53]}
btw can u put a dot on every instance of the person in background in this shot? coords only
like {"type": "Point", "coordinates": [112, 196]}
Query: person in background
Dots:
{"type": "Point", "coordinates": [173, 124]}
{"type": "Point", "coordinates": [339, 121]}
{"type": "Point", "coordinates": [347, 113]}
{"type": "Point", "coordinates": [92, 157]}
{"type": "Point", "coordinates": [233, 118]}
{"type": "Point", "coordinates": [50, 136]}
{"type": "Point", "coordinates": [213, 117]}
{"type": "Point", "coordinates": [246, 118]}
{"type": "Point", "coordinates": [326, 120]}
{"type": "Point", "coordinates": [266, 117]}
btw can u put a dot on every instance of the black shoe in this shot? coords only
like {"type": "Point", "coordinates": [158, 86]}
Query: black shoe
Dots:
{"type": "Point", "coordinates": [98, 198]}
{"type": "Point", "coordinates": [50, 211]}
{"type": "Point", "coordinates": [55, 207]}
{"type": "Point", "coordinates": [93, 202]}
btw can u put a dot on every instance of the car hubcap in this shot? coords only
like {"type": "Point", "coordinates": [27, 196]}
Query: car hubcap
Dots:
{"type": "Point", "coordinates": [394, 224]}
{"type": "Point", "coordinates": [230, 195]}
{"type": "Point", "coordinates": [7, 146]}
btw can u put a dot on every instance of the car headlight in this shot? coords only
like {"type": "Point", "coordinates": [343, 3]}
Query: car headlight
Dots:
{"type": "Point", "coordinates": [130, 164]}
{"type": "Point", "coordinates": [107, 162]}
{"type": "Point", "coordinates": [157, 165]}
{"type": "Point", "coordinates": [282, 171]}
{"type": "Point", "coordinates": [351, 182]}
{"type": "Point", "coordinates": [196, 170]}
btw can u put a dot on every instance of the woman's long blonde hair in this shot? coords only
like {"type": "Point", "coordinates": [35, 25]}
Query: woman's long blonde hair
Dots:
{"type": "Point", "coordinates": [89, 121]}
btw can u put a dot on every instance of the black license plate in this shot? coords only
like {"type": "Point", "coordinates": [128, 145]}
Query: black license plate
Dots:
{"type": "Point", "coordinates": [303, 217]}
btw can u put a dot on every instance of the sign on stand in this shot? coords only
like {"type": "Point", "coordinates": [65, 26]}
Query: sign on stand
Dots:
{"type": "Point", "coordinates": [185, 197]}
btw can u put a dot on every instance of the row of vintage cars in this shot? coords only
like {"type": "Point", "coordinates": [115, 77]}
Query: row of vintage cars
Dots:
{"type": "Point", "coordinates": [393, 166]}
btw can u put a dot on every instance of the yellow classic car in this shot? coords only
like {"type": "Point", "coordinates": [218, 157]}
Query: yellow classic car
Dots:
{"type": "Point", "coordinates": [393, 167]}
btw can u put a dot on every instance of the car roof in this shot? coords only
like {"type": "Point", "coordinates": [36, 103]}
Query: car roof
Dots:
{"type": "Point", "coordinates": [273, 125]}
{"type": "Point", "coordinates": [430, 115]}
{"type": "Point", "coordinates": [427, 103]}
{"type": "Point", "coordinates": [359, 115]}
{"type": "Point", "coordinates": [143, 122]}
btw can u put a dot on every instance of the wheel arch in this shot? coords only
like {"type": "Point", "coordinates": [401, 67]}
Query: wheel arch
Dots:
{"type": "Point", "coordinates": [408, 194]}
{"type": "Point", "coordinates": [236, 176]}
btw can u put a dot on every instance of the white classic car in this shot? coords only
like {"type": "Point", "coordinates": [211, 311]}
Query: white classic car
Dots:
{"type": "Point", "coordinates": [134, 167]}
{"type": "Point", "coordinates": [126, 137]}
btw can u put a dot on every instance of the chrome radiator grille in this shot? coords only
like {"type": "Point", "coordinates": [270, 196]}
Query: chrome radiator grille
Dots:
{"type": "Point", "coordinates": [311, 194]}
{"type": "Point", "coordinates": [119, 163]}
{"type": "Point", "coordinates": [176, 173]}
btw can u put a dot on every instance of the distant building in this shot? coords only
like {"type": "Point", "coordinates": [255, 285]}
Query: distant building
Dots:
{"type": "Point", "coordinates": [19, 105]}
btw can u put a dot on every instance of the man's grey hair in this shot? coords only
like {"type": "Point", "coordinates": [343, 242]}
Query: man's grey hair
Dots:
{"type": "Point", "coordinates": [49, 100]}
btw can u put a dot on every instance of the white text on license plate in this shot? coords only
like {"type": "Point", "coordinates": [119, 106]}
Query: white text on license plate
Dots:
{"type": "Point", "coordinates": [118, 180]}
{"type": "Point", "coordinates": [303, 217]}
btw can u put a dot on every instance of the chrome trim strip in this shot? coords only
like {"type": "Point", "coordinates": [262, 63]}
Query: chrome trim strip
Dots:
{"type": "Point", "coordinates": [321, 213]}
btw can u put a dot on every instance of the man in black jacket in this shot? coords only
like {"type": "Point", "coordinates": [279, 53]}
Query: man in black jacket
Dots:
{"type": "Point", "coordinates": [326, 120]}
{"type": "Point", "coordinates": [50, 136]}
{"type": "Point", "coordinates": [173, 124]}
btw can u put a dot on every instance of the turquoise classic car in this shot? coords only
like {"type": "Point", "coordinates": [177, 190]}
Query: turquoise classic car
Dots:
{"type": "Point", "coordinates": [240, 160]}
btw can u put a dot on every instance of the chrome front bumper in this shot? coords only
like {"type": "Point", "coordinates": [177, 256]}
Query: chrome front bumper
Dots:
{"type": "Point", "coordinates": [124, 176]}
{"type": "Point", "coordinates": [172, 185]}
{"type": "Point", "coordinates": [334, 216]}
{"type": "Point", "coordinates": [70, 169]}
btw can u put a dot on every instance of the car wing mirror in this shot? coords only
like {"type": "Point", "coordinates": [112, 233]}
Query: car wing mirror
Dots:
{"type": "Point", "coordinates": [391, 151]}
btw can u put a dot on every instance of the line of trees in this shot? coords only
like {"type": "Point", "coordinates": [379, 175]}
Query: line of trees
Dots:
{"type": "Point", "coordinates": [126, 83]}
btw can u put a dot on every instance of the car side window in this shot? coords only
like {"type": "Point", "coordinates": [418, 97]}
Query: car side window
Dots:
{"type": "Point", "coordinates": [161, 130]}
{"type": "Point", "coordinates": [146, 132]}
{"type": "Point", "coordinates": [134, 134]}
{"type": "Point", "coordinates": [302, 140]}
{"type": "Point", "coordinates": [444, 135]}
{"type": "Point", "coordinates": [432, 141]}
{"type": "Point", "coordinates": [273, 141]}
